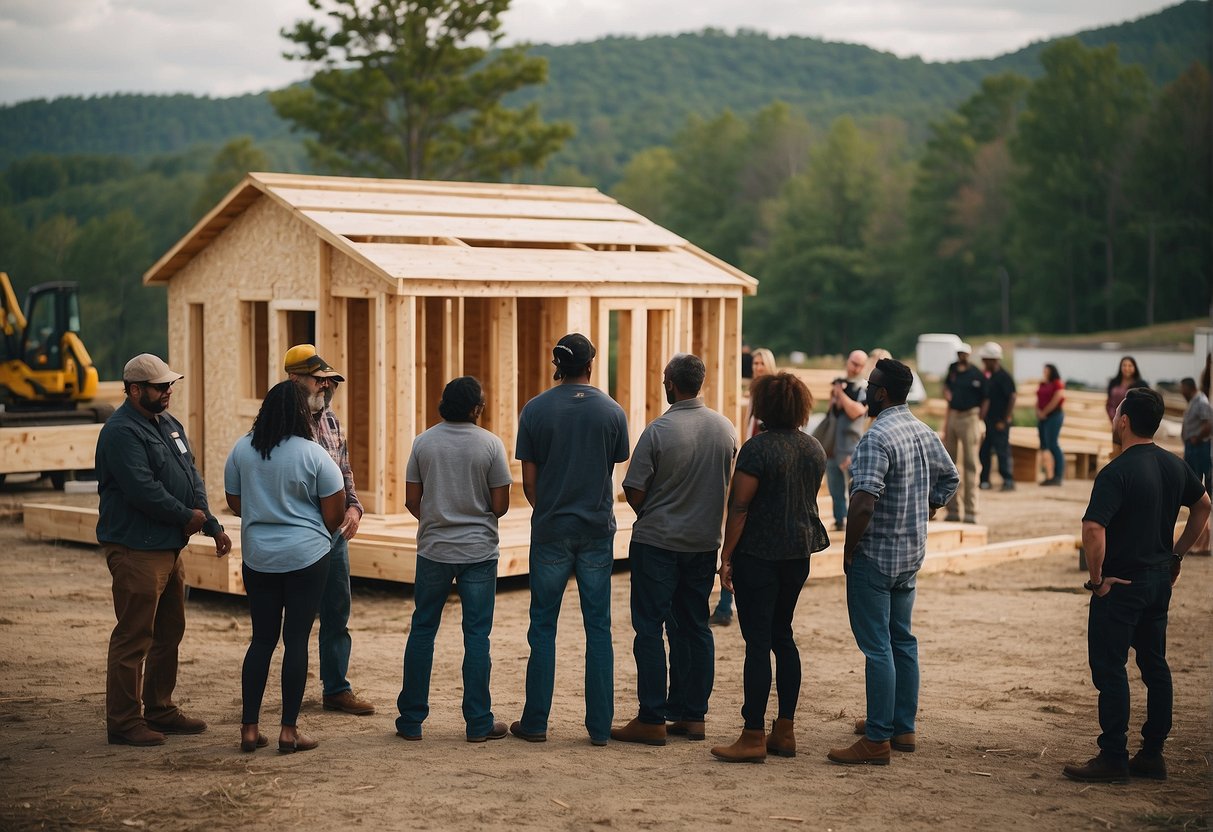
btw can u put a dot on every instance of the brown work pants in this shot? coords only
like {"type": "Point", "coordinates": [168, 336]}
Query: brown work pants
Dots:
{"type": "Point", "coordinates": [149, 603]}
{"type": "Point", "coordinates": [962, 440]}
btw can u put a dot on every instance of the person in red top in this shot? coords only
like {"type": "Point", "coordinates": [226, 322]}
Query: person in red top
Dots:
{"type": "Point", "coordinates": [1050, 396]}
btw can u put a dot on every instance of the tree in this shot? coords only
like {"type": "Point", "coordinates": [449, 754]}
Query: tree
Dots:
{"type": "Point", "coordinates": [403, 93]}
{"type": "Point", "coordinates": [231, 164]}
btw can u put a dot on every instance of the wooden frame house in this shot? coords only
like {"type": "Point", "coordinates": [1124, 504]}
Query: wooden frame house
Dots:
{"type": "Point", "coordinates": [404, 285]}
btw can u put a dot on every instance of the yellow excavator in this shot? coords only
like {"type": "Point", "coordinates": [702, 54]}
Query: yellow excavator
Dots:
{"type": "Point", "coordinates": [46, 374]}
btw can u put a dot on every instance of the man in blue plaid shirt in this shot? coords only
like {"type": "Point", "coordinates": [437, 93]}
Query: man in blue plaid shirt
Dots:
{"type": "Point", "coordinates": [319, 381]}
{"type": "Point", "coordinates": [901, 475]}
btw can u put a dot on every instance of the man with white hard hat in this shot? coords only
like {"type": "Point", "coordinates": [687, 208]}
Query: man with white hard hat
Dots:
{"type": "Point", "coordinates": [1000, 407]}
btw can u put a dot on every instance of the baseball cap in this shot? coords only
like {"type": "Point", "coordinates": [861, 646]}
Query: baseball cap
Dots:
{"type": "Point", "coordinates": [991, 349]}
{"type": "Point", "coordinates": [572, 352]}
{"type": "Point", "coordinates": [149, 368]}
{"type": "Point", "coordinates": [302, 360]}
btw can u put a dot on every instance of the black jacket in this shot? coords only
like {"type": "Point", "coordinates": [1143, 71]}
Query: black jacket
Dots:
{"type": "Point", "coordinates": [148, 483]}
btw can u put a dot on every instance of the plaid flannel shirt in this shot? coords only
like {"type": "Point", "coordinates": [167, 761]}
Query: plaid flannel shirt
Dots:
{"type": "Point", "coordinates": [903, 464]}
{"type": "Point", "coordinates": [330, 437]}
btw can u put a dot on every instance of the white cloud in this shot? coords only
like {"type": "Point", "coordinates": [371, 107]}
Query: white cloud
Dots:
{"type": "Point", "coordinates": [51, 48]}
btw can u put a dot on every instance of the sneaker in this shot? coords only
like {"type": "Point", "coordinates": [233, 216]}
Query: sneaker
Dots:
{"type": "Point", "coordinates": [984, 486]}
{"type": "Point", "coordinates": [349, 703]}
{"type": "Point", "coordinates": [1099, 769]}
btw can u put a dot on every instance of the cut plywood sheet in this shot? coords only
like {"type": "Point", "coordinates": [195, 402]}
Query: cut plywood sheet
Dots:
{"type": "Point", "coordinates": [308, 199]}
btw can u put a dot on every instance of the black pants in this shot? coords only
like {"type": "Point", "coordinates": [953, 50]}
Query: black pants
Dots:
{"type": "Point", "coordinates": [1131, 615]}
{"type": "Point", "coordinates": [767, 592]}
{"type": "Point", "coordinates": [283, 603]}
{"type": "Point", "coordinates": [998, 441]}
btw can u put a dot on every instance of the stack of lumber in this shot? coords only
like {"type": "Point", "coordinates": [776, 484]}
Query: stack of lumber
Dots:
{"type": "Point", "coordinates": [48, 448]}
{"type": "Point", "coordinates": [386, 545]}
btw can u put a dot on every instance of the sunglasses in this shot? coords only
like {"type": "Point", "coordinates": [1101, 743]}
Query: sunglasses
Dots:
{"type": "Point", "coordinates": [163, 387]}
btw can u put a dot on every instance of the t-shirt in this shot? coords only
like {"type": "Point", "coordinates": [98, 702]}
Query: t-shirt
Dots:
{"type": "Point", "coordinates": [968, 387]}
{"type": "Point", "coordinates": [1000, 387]}
{"type": "Point", "coordinates": [683, 462]}
{"type": "Point", "coordinates": [1198, 414]}
{"type": "Point", "coordinates": [281, 527]}
{"type": "Point", "coordinates": [1046, 391]}
{"type": "Point", "coordinates": [782, 523]}
{"type": "Point", "coordinates": [457, 463]}
{"type": "Point", "coordinates": [1136, 497]}
{"type": "Point", "coordinates": [575, 434]}
{"type": "Point", "coordinates": [846, 430]}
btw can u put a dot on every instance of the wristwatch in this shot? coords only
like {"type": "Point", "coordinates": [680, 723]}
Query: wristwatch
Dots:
{"type": "Point", "coordinates": [1093, 585]}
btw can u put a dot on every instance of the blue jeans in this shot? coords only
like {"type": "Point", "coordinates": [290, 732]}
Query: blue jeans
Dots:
{"type": "Point", "coordinates": [335, 642]}
{"type": "Point", "coordinates": [591, 560]}
{"type": "Point", "coordinates": [880, 607]}
{"type": "Point", "coordinates": [477, 587]}
{"type": "Point", "coordinates": [1198, 459]}
{"type": "Point", "coordinates": [836, 480]}
{"type": "Point", "coordinates": [670, 591]}
{"type": "Point", "coordinates": [1049, 429]}
{"type": "Point", "coordinates": [1131, 615]}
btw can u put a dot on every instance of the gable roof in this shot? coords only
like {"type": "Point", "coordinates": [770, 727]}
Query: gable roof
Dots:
{"type": "Point", "coordinates": [468, 232]}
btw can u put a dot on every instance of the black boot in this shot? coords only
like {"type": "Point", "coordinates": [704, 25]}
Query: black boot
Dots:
{"type": "Point", "coordinates": [1148, 764]}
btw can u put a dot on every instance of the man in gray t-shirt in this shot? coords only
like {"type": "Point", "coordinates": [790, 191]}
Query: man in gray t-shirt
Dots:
{"type": "Point", "coordinates": [569, 440]}
{"type": "Point", "coordinates": [677, 483]}
{"type": "Point", "coordinates": [457, 484]}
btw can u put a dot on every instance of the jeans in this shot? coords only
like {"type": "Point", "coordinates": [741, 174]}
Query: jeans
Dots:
{"type": "Point", "coordinates": [880, 607]}
{"type": "Point", "coordinates": [724, 606]}
{"type": "Point", "coordinates": [768, 591]}
{"type": "Point", "coordinates": [1131, 615]}
{"type": "Point", "coordinates": [837, 480]}
{"type": "Point", "coordinates": [335, 642]}
{"type": "Point", "coordinates": [998, 442]}
{"type": "Point", "coordinates": [477, 587]}
{"type": "Point", "coordinates": [1197, 457]}
{"type": "Point", "coordinates": [280, 603]}
{"type": "Point", "coordinates": [591, 560]}
{"type": "Point", "coordinates": [1049, 429]}
{"type": "Point", "coordinates": [670, 590]}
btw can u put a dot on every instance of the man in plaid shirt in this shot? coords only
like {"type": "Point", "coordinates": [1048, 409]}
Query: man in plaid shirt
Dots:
{"type": "Point", "coordinates": [318, 380]}
{"type": "Point", "coordinates": [901, 475]}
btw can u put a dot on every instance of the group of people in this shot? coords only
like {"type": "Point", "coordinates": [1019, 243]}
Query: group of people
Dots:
{"type": "Point", "coordinates": [289, 481]}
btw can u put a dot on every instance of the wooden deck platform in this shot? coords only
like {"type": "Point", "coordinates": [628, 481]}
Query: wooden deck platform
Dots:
{"type": "Point", "coordinates": [385, 547]}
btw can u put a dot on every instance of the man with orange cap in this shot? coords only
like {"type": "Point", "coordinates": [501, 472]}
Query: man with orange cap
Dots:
{"type": "Point", "coordinates": [319, 381]}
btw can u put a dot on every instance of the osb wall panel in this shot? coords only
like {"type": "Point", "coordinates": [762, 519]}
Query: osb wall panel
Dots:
{"type": "Point", "coordinates": [350, 276]}
{"type": "Point", "coordinates": [266, 254]}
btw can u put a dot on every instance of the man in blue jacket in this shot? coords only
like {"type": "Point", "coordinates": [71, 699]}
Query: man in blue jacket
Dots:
{"type": "Point", "coordinates": [152, 501]}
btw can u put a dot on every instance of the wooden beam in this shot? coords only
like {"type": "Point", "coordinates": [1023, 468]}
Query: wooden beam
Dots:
{"type": "Point", "coordinates": [503, 359]}
{"type": "Point", "coordinates": [48, 448]}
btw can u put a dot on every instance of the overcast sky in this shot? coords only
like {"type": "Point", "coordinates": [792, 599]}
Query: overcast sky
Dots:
{"type": "Point", "coordinates": [51, 48]}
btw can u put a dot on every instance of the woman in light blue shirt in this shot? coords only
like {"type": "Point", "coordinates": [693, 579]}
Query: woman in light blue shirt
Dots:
{"type": "Point", "coordinates": [290, 497]}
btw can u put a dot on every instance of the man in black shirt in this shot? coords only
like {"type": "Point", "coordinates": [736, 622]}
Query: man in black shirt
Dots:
{"type": "Point", "coordinates": [964, 388]}
{"type": "Point", "coordinates": [1000, 407]}
{"type": "Point", "coordinates": [1127, 533]}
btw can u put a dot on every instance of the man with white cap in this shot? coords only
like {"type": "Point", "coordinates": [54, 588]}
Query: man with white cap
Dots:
{"type": "Point", "coordinates": [999, 409]}
{"type": "Point", "coordinates": [964, 387]}
{"type": "Point", "coordinates": [152, 501]}
{"type": "Point", "coordinates": [319, 381]}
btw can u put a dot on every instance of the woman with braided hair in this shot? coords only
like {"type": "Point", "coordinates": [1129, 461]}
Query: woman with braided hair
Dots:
{"type": "Point", "coordinates": [290, 497]}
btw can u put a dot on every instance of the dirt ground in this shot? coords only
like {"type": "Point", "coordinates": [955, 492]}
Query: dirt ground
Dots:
{"type": "Point", "coordinates": [1006, 701]}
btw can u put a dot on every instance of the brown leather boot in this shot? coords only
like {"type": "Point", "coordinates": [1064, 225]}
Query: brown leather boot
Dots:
{"type": "Point", "coordinates": [751, 747]}
{"type": "Point", "coordinates": [782, 740]}
{"type": "Point", "coordinates": [348, 702]}
{"type": "Point", "coordinates": [690, 730]}
{"type": "Point", "coordinates": [863, 752]}
{"type": "Point", "coordinates": [906, 742]}
{"type": "Point", "coordinates": [140, 736]}
{"type": "Point", "coordinates": [641, 732]}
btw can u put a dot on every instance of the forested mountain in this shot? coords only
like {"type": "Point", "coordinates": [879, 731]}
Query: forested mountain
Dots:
{"type": "Point", "coordinates": [1061, 188]}
{"type": "Point", "coordinates": [621, 94]}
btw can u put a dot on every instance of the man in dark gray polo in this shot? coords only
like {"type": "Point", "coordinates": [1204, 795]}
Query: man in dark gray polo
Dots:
{"type": "Point", "coordinates": [677, 484]}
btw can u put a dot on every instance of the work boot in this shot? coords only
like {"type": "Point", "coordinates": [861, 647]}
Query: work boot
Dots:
{"type": "Point", "coordinates": [496, 732]}
{"type": "Point", "coordinates": [1008, 486]}
{"type": "Point", "coordinates": [686, 728]}
{"type": "Point", "coordinates": [641, 732]}
{"type": "Point", "coordinates": [1101, 769]}
{"type": "Point", "coordinates": [179, 724]}
{"type": "Point", "coordinates": [1149, 765]}
{"type": "Point", "coordinates": [901, 742]}
{"type": "Point", "coordinates": [751, 747]}
{"type": "Point", "coordinates": [140, 736]}
{"type": "Point", "coordinates": [863, 752]}
{"type": "Point", "coordinates": [782, 740]}
{"type": "Point", "coordinates": [349, 703]}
